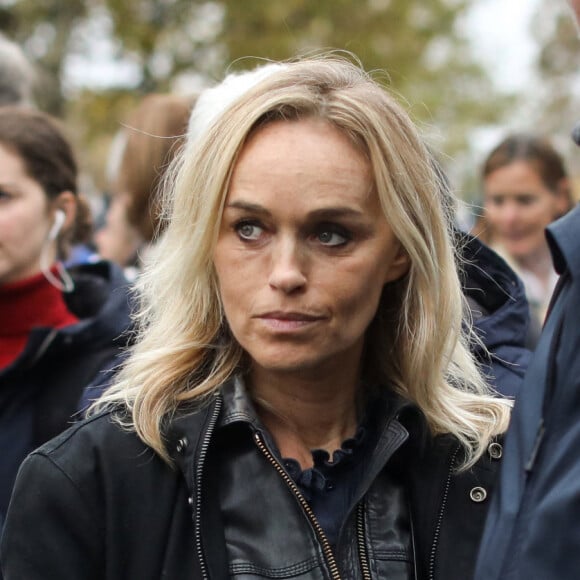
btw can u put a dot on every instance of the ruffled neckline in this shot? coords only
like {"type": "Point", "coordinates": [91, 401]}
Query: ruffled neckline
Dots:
{"type": "Point", "coordinates": [320, 476]}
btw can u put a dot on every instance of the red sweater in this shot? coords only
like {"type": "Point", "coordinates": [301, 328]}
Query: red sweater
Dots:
{"type": "Point", "coordinates": [24, 305]}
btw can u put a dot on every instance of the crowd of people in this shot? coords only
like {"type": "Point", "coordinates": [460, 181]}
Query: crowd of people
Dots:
{"type": "Point", "coordinates": [279, 356]}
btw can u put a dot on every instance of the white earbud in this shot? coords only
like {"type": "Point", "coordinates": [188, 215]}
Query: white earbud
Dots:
{"type": "Point", "coordinates": [66, 284]}
{"type": "Point", "coordinates": [59, 219]}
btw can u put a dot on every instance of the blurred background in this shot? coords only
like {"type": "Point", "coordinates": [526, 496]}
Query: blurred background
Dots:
{"type": "Point", "coordinates": [468, 71]}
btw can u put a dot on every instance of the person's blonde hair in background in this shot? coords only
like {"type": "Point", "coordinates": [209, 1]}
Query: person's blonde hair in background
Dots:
{"type": "Point", "coordinates": [416, 342]}
{"type": "Point", "coordinates": [142, 151]}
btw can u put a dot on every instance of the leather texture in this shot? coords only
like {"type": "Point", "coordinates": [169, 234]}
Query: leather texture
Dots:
{"type": "Point", "coordinates": [96, 503]}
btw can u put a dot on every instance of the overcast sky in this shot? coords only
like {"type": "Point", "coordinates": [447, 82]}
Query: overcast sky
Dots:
{"type": "Point", "coordinates": [501, 38]}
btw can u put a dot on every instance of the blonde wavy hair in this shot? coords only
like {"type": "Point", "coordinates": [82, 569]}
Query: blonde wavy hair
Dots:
{"type": "Point", "coordinates": [417, 344]}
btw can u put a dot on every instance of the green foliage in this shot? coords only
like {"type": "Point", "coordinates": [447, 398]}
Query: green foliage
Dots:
{"type": "Point", "coordinates": [164, 36]}
{"type": "Point", "coordinates": [43, 29]}
{"type": "Point", "coordinates": [555, 95]}
{"type": "Point", "coordinates": [418, 44]}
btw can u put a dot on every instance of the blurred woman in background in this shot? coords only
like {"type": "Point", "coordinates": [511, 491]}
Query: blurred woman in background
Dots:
{"type": "Point", "coordinates": [58, 327]}
{"type": "Point", "coordinates": [142, 151]}
{"type": "Point", "coordinates": [525, 188]}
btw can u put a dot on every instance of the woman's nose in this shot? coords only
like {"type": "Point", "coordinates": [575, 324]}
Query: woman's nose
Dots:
{"type": "Point", "coordinates": [510, 214]}
{"type": "Point", "coordinates": [287, 269]}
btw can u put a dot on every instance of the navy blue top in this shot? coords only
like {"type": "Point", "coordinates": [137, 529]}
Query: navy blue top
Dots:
{"type": "Point", "coordinates": [330, 485]}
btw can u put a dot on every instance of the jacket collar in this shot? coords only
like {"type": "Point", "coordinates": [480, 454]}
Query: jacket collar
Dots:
{"type": "Point", "coordinates": [189, 433]}
{"type": "Point", "coordinates": [187, 436]}
{"type": "Point", "coordinates": [186, 432]}
{"type": "Point", "coordinates": [238, 407]}
{"type": "Point", "coordinates": [562, 236]}
{"type": "Point", "coordinates": [237, 404]}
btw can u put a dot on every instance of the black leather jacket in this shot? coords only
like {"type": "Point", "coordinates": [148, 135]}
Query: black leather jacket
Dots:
{"type": "Point", "coordinates": [95, 503]}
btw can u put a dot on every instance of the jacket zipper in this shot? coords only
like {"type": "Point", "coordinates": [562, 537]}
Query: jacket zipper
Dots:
{"type": "Point", "coordinates": [48, 340]}
{"type": "Point", "coordinates": [198, 477]}
{"type": "Point", "coordinates": [361, 543]}
{"type": "Point", "coordinates": [413, 546]}
{"type": "Point", "coordinates": [440, 518]}
{"type": "Point", "coordinates": [326, 548]}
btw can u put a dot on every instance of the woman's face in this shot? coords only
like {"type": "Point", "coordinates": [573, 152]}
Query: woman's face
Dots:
{"type": "Point", "coordinates": [25, 219]}
{"type": "Point", "coordinates": [518, 207]}
{"type": "Point", "coordinates": [304, 249]}
{"type": "Point", "coordinates": [118, 240]}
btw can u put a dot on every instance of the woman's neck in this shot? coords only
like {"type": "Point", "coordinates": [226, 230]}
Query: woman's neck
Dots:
{"type": "Point", "coordinates": [539, 264]}
{"type": "Point", "coordinates": [306, 412]}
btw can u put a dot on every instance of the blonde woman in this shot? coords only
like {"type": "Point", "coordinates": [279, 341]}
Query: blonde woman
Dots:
{"type": "Point", "coordinates": [301, 402]}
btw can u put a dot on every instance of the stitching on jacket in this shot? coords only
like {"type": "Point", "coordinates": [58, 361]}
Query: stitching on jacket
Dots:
{"type": "Point", "coordinates": [397, 555]}
{"type": "Point", "coordinates": [74, 485]}
{"type": "Point", "coordinates": [285, 572]}
{"type": "Point", "coordinates": [48, 448]}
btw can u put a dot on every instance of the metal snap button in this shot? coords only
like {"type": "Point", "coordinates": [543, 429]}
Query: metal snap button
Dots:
{"type": "Point", "coordinates": [495, 450]}
{"type": "Point", "coordinates": [181, 445]}
{"type": "Point", "coordinates": [478, 494]}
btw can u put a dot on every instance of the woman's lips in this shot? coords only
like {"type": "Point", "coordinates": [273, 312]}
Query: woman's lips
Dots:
{"type": "Point", "coordinates": [516, 236]}
{"type": "Point", "coordinates": [288, 320]}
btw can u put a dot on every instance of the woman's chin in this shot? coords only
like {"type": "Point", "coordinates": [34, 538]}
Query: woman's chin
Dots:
{"type": "Point", "coordinates": [521, 250]}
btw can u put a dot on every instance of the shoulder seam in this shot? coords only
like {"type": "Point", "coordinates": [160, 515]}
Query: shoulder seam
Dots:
{"type": "Point", "coordinates": [72, 482]}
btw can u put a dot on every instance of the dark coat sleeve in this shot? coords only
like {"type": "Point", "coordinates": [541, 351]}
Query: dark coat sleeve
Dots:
{"type": "Point", "coordinates": [50, 530]}
{"type": "Point", "coordinates": [96, 503]}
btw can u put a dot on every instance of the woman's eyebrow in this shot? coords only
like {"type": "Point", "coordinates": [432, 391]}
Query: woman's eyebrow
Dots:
{"type": "Point", "coordinates": [248, 206]}
{"type": "Point", "coordinates": [336, 212]}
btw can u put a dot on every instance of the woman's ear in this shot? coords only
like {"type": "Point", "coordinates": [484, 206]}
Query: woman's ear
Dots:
{"type": "Point", "coordinates": [399, 266]}
{"type": "Point", "coordinates": [67, 203]}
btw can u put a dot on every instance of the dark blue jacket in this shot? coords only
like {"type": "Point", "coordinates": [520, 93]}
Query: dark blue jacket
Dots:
{"type": "Point", "coordinates": [500, 314]}
{"type": "Point", "coordinates": [533, 529]}
{"type": "Point", "coordinates": [40, 391]}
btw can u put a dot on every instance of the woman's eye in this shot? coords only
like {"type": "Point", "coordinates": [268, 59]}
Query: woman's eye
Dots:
{"type": "Point", "coordinates": [527, 199]}
{"type": "Point", "coordinates": [332, 238]}
{"type": "Point", "coordinates": [4, 194]}
{"type": "Point", "coordinates": [248, 231]}
{"type": "Point", "coordinates": [495, 201]}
